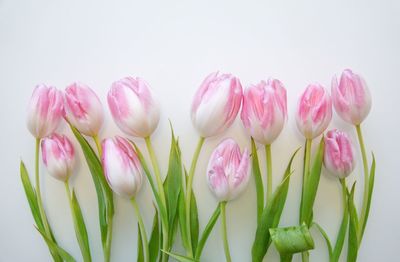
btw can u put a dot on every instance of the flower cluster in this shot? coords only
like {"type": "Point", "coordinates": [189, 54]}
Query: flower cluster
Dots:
{"type": "Point", "coordinates": [117, 164]}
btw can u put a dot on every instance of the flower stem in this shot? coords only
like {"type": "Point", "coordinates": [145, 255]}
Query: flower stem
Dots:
{"type": "Point", "coordinates": [224, 232]}
{"type": "Point", "coordinates": [164, 256]}
{"type": "Point", "coordinates": [142, 230]}
{"type": "Point", "coordinates": [189, 192]}
{"type": "Point", "coordinates": [98, 145]}
{"type": "Point", "coordinates": [306, 170]}
{"type": "Point", "coordinates": [269, 172]}
{"type": "Point", "coordinates": [366, 181]}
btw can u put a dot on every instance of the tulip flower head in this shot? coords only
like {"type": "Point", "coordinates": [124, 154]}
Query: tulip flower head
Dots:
{"type": "Point", "coordinates": [58, 156]}
{"type": "Point", "coordinates": [228, 170]}
{"type": "Point", "coordinates": [339, 157]}
{"type": "Point", "coordinates": [133, 107]}
{"type": "Point", "coordinates": [314, 111]}
{"type": "Point", "coordinates": [45, 111]}
{"type": "Point", "coordinates": [216, 104]}
{"type": "Point", "coordinates": [83, 109]}
{"type": "Point", "coordinates": [351, 97]}
{"type": "Point", "coordinates": [122, 167]}
{"type": "Point", "coordinates": [264, 110]}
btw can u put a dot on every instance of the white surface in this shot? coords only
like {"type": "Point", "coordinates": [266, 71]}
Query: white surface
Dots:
{"type": "Point", "coordinates": [174, 45]}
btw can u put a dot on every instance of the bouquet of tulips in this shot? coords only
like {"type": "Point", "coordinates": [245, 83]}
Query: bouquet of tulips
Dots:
{"type": "Point", "coordinates": [118, 165]}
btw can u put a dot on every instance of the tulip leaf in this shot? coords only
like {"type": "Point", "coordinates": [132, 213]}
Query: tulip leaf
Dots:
{"type": "Point", "coordinates": [194, 222]}
{"type": "Point", "coordinates": [154, 243]}
{"type": "Point", "coordinates": [182, 221]}
{"type": "Point", "coordinates": [55, 248]}
{"type": "Point", "coordinates": [311, 186]}
{"type": "Point", "coordinates": [207, 230]}
{"type": "Point", "coordinates": [325, 236]}
{"type": "Point", "coordinates": [291, 240]}
{"type": "Point", "coordinates": [258, 180]}
{"type": "Point", "coordinates": [104, 194]}
{"type": "Point", "coordinates": [80, 229]}
{"type": "Point", "coordinates": [180, 258]}
{"type": "Point", "coordinates": [140, 253]}
{"type": "Point", "coordinates": [271, 216]}
{"type": "Point", "coordinates": [353, 227]}
{"type": "Point", "coordinates": [370, 190]}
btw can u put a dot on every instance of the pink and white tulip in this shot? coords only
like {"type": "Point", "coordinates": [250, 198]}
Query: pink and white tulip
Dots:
{"type": "Point", "coordinates": [216, 104]}
{"type": "Point", "coordinates": [351, 97]}
{"type": "Point", "coordinates": [122, 167]}
{"type": "Point", "coordinates": [133, 107]}
{"type": "Point", "coordinates": [264, 110]}
{"type": "Point", "coordinates": [228, 170]}
{"type": "Point", "coordinates": [83, 109]}
{"type": "Point", "coordinates": [45, 110]}
{"type": "Point", "coordinates": [314, 111]}
{"type": "Point", "coordinates": [339, 157]}
{"type": "Point", "coordinates": [58, 156]}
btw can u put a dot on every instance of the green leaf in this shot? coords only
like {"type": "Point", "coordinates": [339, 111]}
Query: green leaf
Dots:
{"type": "Point", "coordinates": [258, 180]}
{"type": "Point", "coordinates": [31, 196]}
{"type": "Point", "coordinates": [104, 193]}
{"type": "Point", "coordinates": [311, 186]}
{"type": "Point", "coordinates": [154, 243]}
{"type": "Point", "coordinates": [370, 190]}
{"type": "Point", "coordinates": [207, 231]}
{"type": "Point", "coordinates": [180, 258]}
{"type": "Point", "coordinates": [271, 216]}
{"type": "Point", "coordinates": [182, 221]}
{"type": "Point", "coordinates": [80, 229]}
{"type": "Point", "coordinates": [140, 253]}
{"type": "Point", "coordinates": [55, 248]}
{"type": "Point", "coordinates": [291, 240]}
{"type": "Point", "coordinates": [325, 235]}
{"type": "Point", "coordinates": [194, 222]}
{"type": "Point", "coordinates": [353, 227]}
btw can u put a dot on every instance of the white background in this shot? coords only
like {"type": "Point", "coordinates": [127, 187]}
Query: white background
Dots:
{"type": "Point", "coordinates": [174, 45]}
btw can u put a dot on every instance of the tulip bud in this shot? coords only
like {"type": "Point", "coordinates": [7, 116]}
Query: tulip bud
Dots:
{"type": "Point", "coordinates": [228, 170]}
{"type": "Point", "coordinates": [216, 104]}
{"type": "Point", "coordinates": [264, 110]}
{"type": "Point", "coordinates": [133, 107]}
{"type": "Point", "coordinates": [314, 111]}
{"type": "Point", "coordinates": [58, 156]}
{"type": "Point", "coordinates": [351, 97]}
{"type": "Point", "coordinates": [83, 109]}
{"type": "Point", "coordinates": [45, 111]}
{"type": "Point", "coordinates": [122, 167]}
{"type": "Point", "coordinates": [339, 154]}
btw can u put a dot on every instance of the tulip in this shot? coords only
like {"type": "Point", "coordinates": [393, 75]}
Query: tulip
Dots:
{"type": "Point", "coordinates": [216, 104]}
{"type": "Point", "coordinates": [133, 107]}
{"type": "Point", "coordinates": [264, 110]}
{"type": "Point", "coordinates": [45, 111]}
{"type": "Point", "coordinates": [122, 167]}
{"type": "Point", "coordinates": [228, 170]}
{"type": "Point", "coordinates": [58, 156]}
{"type": "Point", "coordinates": [83, 109]}
{"type": "Point", "coordinates": [351, 97]}
{"type": "Point", "coordinates": [339, 154]}
{"type": "Point", "coordinates": [314, 111]}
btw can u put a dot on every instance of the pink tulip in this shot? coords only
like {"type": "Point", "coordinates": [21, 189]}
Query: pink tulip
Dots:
{"type": "Point", "coordinates": [228, 170]}
{"type": "Point", "coordinates": [216, 104]}
{"type": "Point", "coordinates": [133, 107]}
{"type": "Point", "coordinates": [264, 110]}
{"type": "Point", "coordinates": [45, 111]}
{"type": "Point", "coordinates": [351, 97]}
{"type": "Point", "coordinates": [58, 156]}
{"type": "Point", "coordinates": [339, 154]}
{"type": "Point", "coordinates": [83, 109]}
{"type": "Point", "coordinates": [314, 111]}
{"type": "Point", "coordinates": [122, 167]}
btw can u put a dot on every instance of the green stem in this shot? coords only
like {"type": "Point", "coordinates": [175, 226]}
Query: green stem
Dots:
{"type": "Point", "coordinates": [286, 258]}
{"type": "Point", "coordinates": [306, 170]}
{"type": "Point", "coordinates": [107, 248]}
{"type": "Point", "coordinates": [142, 230]}
{"type": "Point", "coordinates": [305, 256]}
{"type": "Point", "coordinates": [189, 192]}
{"type": "Point", "coordinates": [366, 180]}
{"type": "Point", "coordinates": [224, 232]}
{"type": "Point", "coordinates": [344, 192]}
{"type": "Point", "coordinates": [269, 171]}
{"type": "Point", "coordinates": [157, 173]}
{"type": "Point", "coordinates": [98, 145]}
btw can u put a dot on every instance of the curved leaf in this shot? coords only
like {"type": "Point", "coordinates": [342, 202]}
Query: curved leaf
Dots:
{"type": "Point", "coordinates": [291, 240]}
{"type": "Point", "coordinates": [258, 180]}
{"type": "Point", "coordinates": [325, 235]}
{"type": "Point", "coordinates": [353, 227]}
